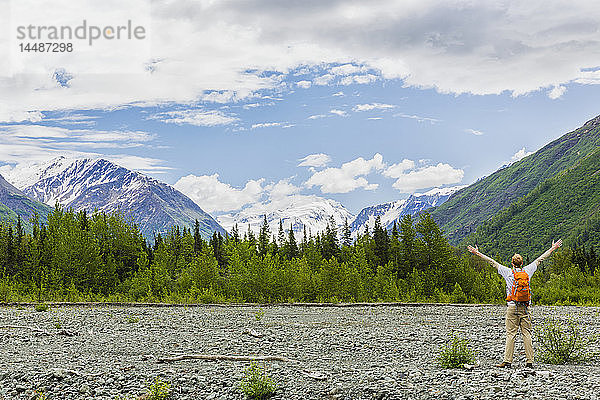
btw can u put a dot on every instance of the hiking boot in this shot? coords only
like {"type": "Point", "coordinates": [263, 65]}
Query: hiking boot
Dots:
{"type": "Point", "coordinates": [529, 365]}
{"type": "Point", "coordinates": [503, 364]}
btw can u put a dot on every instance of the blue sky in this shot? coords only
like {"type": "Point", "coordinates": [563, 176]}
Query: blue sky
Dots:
{"type": "Point", "coordinates": [362, 103]}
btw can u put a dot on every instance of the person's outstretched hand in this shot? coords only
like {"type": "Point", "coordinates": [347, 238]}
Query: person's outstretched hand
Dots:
{"type": "Point", "coordinates": [556, 245]}
{"type": "Point", "coordinates": [473, 250]}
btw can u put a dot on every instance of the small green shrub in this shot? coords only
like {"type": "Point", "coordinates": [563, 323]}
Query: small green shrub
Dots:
{"type": "Point", "coordinates": [259, 314]}
{"type": "Point", "coordinates": [456, 353]}
{"type": "Point", "coordinates": [256, 384]}
{"type": "Point", "coordinates": [39, 395]}
{"type": "Point", "coordinates": [158, 390]}
{"type": "Point", "coordinates": [41, 307]}
{"type": "Point", "coordinates": [562, 343]}
{"type": "Point", "coordinates": [133, 320]}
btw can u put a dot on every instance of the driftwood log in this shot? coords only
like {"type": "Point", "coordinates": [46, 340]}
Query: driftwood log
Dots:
{"type": "Point", "coordinates": [31, 328]}
{"type": "Point", "coordinates": [222, 357]}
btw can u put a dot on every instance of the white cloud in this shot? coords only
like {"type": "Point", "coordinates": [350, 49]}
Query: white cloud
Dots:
{"type": "Point", "coordinates": [341, 113]}
{"type": "Point", "coordinates": [397, 170]}
{"type": "Point", "coordinates": [22, 144]}
{"type": "Point", "coordinates": [315, 160]}
{"type": "Point", "coordinates": [304, 84]}
{"type": "Point", "coordinates": [338, 94]}
{"type": "Point", "coordinates": [372, 106]}
{"type": "Point", "coordinates": [212, 195]}
{"type": "Point", "coordinates": [324, 79]}
{"type": "Point", "coordinates": [474, 132]}
{"type": "Point", "coordinates": [418, 118]}
{"type": "Point", "coordinates": [195, 117]}
{"type": "Point", "coordinates": [430, 176]}
{"type": "Point", "coordinates": [347, 69]}
{"type": "Point", "coordinates": [317, 116]}
{"type": "Point", "coordinates": [272, 125]}
{"type": "Point", "coordinates": [454, 47]}
{"type": "Point", "coordinates": [348, 177]}
{"type": "Point", "coordinates": [282, 189]}
{"type": "Point", "coordinates": [557, 92]}
{"type": "Point", "coordinates": [520, 155]}
{"type": "Point", "coordinates": [358, 79]}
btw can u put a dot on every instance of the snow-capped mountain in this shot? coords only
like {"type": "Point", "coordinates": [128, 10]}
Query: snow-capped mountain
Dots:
{"type": "Point", "coordinates": [392, 211]}
{"type": "Point", "coordinates": [89, 184]}
{"type": "Point", "coordinates": [297, 212]}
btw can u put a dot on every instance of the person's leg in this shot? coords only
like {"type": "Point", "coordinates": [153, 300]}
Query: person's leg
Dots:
{"type": "Point", "coordinates": [525, 323]}
{"type": "Point", "coordinates": [512, 327]}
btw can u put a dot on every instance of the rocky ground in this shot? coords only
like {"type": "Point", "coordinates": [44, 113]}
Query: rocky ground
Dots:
{"type": "Point", "coordinates": [382, 352]}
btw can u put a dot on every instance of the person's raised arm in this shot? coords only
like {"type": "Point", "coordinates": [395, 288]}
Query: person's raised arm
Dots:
{"type": "Point", "coordinates": [555, 245]}
{"type": "Point", "coordinates": [476, 251]}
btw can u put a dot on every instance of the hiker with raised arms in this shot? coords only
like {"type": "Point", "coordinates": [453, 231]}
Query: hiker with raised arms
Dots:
{"type": "Point", "coordinates": [518, 300]}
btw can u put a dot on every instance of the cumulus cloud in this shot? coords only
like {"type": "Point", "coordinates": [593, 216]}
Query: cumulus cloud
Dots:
{"type": "Point", "coordinates": [304, 84]}
{"type": "Point", "coordinates": [520, 155]}
{"type": "Point", "coordinates": [358, 79]}
{"type": "Point", "coordinates": [397, 170]}
{"type": "Point", "coordinates": [315, 160]}
{"type": "Point", "coordinates": [317, 116]}
{"type": "Point", "coordinates": [474, 132]}
{"type": "Point", "coordinates": [557, 92]}
{"type": "Point", "coordinates": [425, 177]}
{"type": "Point", "coordinates": [348, 177]}
{"type": "Point", "coordinates": [372, 106]}
{"type": "Point", "coordinates": [212, 195]}
{"type": "Point", "coordinates": [195, 117]}
{"type": "Point", "coordinates": [281, 189]}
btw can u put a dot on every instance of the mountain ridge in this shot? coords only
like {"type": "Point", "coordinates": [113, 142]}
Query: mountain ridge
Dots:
{"type": "Point", "coordinates": [99, 184]}
{"type": "Point", "coordinates": [479, 202]}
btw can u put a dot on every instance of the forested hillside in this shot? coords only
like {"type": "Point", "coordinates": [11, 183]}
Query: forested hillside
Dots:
{"type": "Point", "coordinates": [481, 201]}
{"type": "Point", "coordinates": [565, 206]}
{"type": "Point", "coordinates": [77, 257]}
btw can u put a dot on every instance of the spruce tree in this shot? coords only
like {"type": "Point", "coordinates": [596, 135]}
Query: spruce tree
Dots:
{"type": "Point", "coordinates": [381, 243]}
{"type": "Point", "coordinates": [346, 234]}
{"type": "Point", "coordinates": [197, 238]}
{"type": "Point", "coordinates": [291, 246]}
{"type": "Point", "coordinates": [263, 237]}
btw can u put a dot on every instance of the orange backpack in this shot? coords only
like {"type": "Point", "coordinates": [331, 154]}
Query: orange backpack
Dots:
{"type": "Point", "coordinates": [520, 290]}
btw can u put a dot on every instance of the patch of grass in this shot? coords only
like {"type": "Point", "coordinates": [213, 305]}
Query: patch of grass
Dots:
{"type": "Point", "coordinates": [456, 353]}
{"type": "Point", "coordinates": [562, 343]}
{"type": "Point", "coordinates": [41, 307]}
{"type": "Point", "coordinates": [133, 320]}
{"type": "Point", "coordinates": [39, 395]}
{"type": "Point", "coordinates": [259, 314]}
{"type": "Point", "coordinates": [158, 390]}
{"type": "Point", "coordinates": [256, 384]}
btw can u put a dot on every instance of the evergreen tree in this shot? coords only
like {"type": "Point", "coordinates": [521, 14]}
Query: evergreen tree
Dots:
{"type": "Point", "coordinates": [381, 243]}
{"type": "Point", "coordinates": [291, 248]}
{"type": "Point", "coordinates": [408, 246]}
{"type": "Point", "coordinates": [263, 237]}
{"type": "Point", "coordinates": [346, 234]}
{"type": "Point", "coordinates": [329, 241]}
{"type": "Point", "coordinates": [197, 238]}
{"type": "Point", "coordinates": [281, 234]}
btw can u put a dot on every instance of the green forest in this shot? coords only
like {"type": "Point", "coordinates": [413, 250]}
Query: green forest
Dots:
{"type": "Point", "coordinates": [80, 257]}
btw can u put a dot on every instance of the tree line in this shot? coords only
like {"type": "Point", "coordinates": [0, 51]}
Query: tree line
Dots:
{"type": "Point", "coordinates": [76, 256]}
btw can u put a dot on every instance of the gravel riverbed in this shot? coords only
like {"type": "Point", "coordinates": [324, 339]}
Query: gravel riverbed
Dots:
{"type": "Point", "coordinates": [364, 352]}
